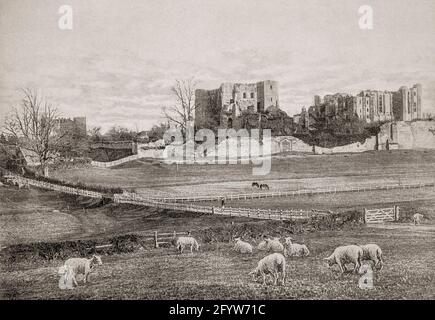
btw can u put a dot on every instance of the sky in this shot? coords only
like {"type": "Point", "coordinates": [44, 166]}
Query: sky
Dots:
{"type": "Point", "coordinates": [118, 63]}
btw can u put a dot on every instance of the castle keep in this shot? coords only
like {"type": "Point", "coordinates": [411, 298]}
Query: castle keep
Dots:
{"type": "Point", "coordinates": [225, 105]}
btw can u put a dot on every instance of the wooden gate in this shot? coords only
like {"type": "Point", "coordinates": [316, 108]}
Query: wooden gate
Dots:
{"type": "Point", "coordinates": [381, 215]}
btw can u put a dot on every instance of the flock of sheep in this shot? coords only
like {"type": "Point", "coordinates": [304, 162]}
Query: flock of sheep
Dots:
{"type": "Point", "coordinates": [274, 264]}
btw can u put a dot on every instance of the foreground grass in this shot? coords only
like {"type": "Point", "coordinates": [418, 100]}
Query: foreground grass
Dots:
{"type": "Point", "coordinates": [218, 273]}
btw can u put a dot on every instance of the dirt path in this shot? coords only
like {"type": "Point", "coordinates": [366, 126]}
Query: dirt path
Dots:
{"type": "Point", "coordinates": [407, 227]}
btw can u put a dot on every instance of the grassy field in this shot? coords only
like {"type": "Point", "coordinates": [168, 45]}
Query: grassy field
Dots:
{"type": "Point", "coordinates": [292, 173]}
{"type": "Point", "coordinates": [409, 200]}
{"type": "Point", "coordinates": [215, 272]}
{"type": "Point", "coordinates": [30, 216]}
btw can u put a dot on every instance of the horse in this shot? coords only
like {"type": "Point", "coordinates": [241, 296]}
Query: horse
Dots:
{"type": "Point", "coordinates": [264, 186]}
{"type": "Point", "coordinates": [255, 184]}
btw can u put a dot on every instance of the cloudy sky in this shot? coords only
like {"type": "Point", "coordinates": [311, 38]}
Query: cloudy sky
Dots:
{"type": "Point", "coordinates": [118, 63]}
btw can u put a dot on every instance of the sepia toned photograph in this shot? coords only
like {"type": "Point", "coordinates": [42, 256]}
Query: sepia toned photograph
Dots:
{"type": "Point", "coordinates": [217, 150]}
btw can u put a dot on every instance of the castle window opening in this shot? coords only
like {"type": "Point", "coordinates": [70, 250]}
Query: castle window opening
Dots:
{"type": "Point", "coordinates": [244, 95]}
{"type": "Point", "coordinates": [252, 95]}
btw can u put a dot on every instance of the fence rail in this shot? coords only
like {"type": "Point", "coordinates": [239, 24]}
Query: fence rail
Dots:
{"type": "Point", "coordinates": [21, 181]}
{"type": "Point", "coordinates": [116, 162]}
{"type": "Point", "coordinates": [268, 214]}
{"type": "Point", "coordinates": [293, 193]}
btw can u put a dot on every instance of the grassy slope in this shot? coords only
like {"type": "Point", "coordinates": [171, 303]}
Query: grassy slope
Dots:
{"type": "Point", "coordinates": [218, 273]}
{"type": "Point", "coordinates": [141, 174]}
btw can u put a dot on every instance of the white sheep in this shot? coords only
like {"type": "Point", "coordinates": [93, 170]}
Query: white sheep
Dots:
{"type": "Point", "coordinates": [83, 266]}
{"type": "Point", "coordinates": [273, 264]}
{"type": "Point", "coordinates": [272, 245]}
{"type": "Point", "coordinates": [262, 245]}
{"type": "Point", "coordinates": [416, 218]}
{"type": "Point", "coordinates": [242, 246]}
{"type": "Point", "coordinates": [346, 254]}
{"type": "Point", "coordinates": [296, 249]}
{"type": "Point", "coordinates": [373, 253]}
{"type": "Point", "coordinates": [182, 242]}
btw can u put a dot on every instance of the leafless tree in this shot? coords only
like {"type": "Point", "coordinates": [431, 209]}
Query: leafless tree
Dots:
{"type": "Point", "coordinates": [32, 125]}
{"type": "Point", "coordinates": [183, 111]}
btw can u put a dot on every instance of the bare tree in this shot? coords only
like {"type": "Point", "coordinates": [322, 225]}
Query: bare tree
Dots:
{"type": "Point", "coordinates": [32, 125]}
{"type": "Point", "coordinates": [183, 111]}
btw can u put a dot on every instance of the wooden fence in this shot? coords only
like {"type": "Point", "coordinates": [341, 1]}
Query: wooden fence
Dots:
{"type": "Point", "coordinates": [381, 215]}
{"type": "Point", "coordinates": [116, 162]}
{"type": "Point", "coordinates": [21, 181]}
{"type": "Point", "coordinates": [294, 193]}
{"type": "Point", "coordinates": [157, 239]}
{"type": "Point", "coordinates": [268, 214]}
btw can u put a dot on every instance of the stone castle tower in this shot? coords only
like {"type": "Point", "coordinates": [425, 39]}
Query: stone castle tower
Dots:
{"type": "Point", "coordinates": [230, 100]}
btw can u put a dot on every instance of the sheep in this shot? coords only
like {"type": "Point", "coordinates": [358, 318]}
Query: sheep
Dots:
{"type": "Point", "coordinates": [67, 279]}
{"type": "Point", "coordinates": [272, 245]}
{"type": "Point", "coordinates": [83, 266]}
{"type": "Point", "coordinates": [182, 242]}
{"type": "Point", "coordinates": [296, 249]}
{"type": "Point", "coordinates": [416, 218]}
{"type": "Point", "coordinates": [273, 264]}
{"type": "Point", "coordinates": [262, 245]}
{"type": "Point", "coordinates": [346, 254]}
{"type": "Point", "coordinates": [373, 253]}
{"type": "Point", "coordinates": [242, 246]}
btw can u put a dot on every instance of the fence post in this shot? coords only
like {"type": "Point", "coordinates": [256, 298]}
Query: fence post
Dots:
{"type": "Point", "coordinates": [396, 213]}
{"type": "Point", "coordinates": [269, 214]}
{"type": "Point", "coordinates": [156, 243]}
{"type": "Point", "coordinates": [280, 215]}
{"type": "Point", "coordinates": [365, 214]}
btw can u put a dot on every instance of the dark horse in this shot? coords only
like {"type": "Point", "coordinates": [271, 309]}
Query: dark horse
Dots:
{"type": "Point", "coordinates": [255, 184]}
{"type": "Point", "coordinates": [264, 186]}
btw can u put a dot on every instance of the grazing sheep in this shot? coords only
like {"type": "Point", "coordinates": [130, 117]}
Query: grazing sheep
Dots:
{"type": "Point", "coordinates": [416, 218]}
{"type": "Point", "coordinates": [346, 254]}
{"type": "Point", "coordinates": [262, 245]}
{"type": "Point", "coordinates": [296, 249]}
{"type": "Point", "coordinates": [273, 264]}
{"type": "Point", "coordinates": [182, 242]}
{"type": "Point", "coordinates": [83, 266]}
{"type": "Point", "coordinates": [67, 279]}
{"type": "Point", "coordinates": [242, 246]}
{"type": "Point", "coordinates": [273, 245]}
{"type": "Point", "coordinates": [373, 253]}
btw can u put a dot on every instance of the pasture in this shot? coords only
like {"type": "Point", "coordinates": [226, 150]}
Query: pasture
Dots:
{"type": "Point", "coordinates": [153, 178]}
{"type": "Point", "coordinates": [216, 272]}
